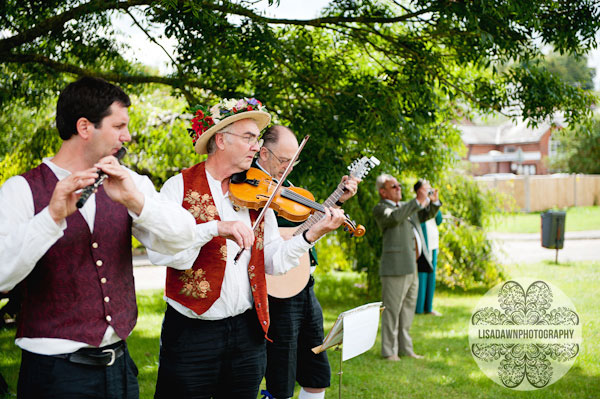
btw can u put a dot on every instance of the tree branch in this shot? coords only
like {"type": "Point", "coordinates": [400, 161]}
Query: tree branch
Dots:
{"type": "Point", "coordinates": [178, 83]}
{"type": "Point", "coordinates": [317, 22]}
{"type": "Point", "coordinates": [153, 40]}
{"type": "Point", "coordinates": [58, 21]}
{"type": "Point", "coordinates": [95, 6]}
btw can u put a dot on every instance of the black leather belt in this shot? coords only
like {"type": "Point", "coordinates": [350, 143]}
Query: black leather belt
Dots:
{"type": "Point", "coordinates": [104, 356]}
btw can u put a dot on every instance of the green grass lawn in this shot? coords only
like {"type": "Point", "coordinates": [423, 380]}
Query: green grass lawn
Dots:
{"type": "Point", "coordinates": [448, 371]}
{"type": "Point", "coordinates": [577, 219]}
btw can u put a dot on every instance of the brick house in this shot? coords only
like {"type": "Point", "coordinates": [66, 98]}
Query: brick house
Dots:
{"type": "Point", "coordinates": [509, 147]}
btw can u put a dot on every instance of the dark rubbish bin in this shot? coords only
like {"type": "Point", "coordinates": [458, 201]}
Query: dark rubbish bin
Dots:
{"type": "Point", "coordinates": [553, 230]}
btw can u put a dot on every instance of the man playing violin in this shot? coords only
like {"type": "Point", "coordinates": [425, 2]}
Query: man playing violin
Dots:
{"type": "Point", "coordinates": [296, 322]}
{"type": "Point", "coordinates": [217, 317]}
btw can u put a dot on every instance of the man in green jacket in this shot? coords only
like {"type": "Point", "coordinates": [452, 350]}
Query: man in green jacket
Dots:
{"type": "Point", "coordinates": [403, 242]}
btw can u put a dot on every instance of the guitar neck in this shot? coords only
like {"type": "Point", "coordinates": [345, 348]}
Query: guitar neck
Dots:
{"type": "Point", "coordinates": [316, 216]}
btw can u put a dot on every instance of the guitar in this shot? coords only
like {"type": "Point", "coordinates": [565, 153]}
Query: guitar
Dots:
{"type": "Point", "coordinates": [291, 283]}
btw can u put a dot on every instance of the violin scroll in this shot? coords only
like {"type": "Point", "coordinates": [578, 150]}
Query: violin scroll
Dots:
{"type": "Point", "coordinates": [354, 230]}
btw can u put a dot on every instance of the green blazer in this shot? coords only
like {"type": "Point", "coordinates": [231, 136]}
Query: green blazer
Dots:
{"type": "Point", "coordinates": [398, 253]}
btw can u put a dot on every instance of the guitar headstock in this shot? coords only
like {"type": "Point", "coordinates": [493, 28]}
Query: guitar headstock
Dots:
{"type": "Point", "coordinates": [361, 167]}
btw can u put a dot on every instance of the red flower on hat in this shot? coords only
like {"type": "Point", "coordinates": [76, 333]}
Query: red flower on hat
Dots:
{"type": "Point", "coordinates": [205, 117]}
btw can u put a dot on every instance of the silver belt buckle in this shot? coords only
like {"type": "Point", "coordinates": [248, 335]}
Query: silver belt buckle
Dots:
{"type": "Point", "coordinates": [113, 356]}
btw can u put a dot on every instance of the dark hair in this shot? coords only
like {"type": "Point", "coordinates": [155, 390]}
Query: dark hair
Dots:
{"type": "Point", "coordinates": [88, 98]}
{"type": "Point", "coordinates": [271, 135]}
{"type": "Point", "coordinates": [418, 185]}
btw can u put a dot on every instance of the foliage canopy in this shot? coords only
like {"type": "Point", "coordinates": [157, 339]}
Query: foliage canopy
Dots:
{"type": "Point", "coordinates": [372, 77]}
{"type": "Point", "coordinates": [383, 76]}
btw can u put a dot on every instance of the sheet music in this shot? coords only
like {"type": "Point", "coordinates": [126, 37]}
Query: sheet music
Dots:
{"type": "Point", "coordinates": [360, 330]}
{"type": "Point", "coordinates": [357, 328]}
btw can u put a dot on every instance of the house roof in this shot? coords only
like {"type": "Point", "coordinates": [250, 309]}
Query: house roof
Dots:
{"type": "Point", "coordinates": [506, 133]}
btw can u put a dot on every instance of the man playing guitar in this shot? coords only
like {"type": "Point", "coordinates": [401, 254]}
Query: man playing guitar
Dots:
{"type": "Point", "coordinates": [297, 321]}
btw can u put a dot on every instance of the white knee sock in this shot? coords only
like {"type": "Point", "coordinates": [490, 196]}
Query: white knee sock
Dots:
{"type": "Point", "coordinates": [310, 395]}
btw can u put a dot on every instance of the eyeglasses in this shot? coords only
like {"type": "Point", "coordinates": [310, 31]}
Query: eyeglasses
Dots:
{"type": "Point", "coordinates": [282, 161]}
{"type": "Point", "coordinates": [251, 140]}
{"type": "Point", "coordinates": [394, 186]}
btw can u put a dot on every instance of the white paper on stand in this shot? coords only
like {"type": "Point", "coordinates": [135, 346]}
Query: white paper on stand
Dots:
{"type": "Point", "coordinates": [360, 329]}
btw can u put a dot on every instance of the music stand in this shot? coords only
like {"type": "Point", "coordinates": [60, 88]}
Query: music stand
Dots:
{"type": "Point", "coordinates": [355, 330]}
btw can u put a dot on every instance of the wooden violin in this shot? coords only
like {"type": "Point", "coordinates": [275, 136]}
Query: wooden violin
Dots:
{"type": "Point", "coordinates": [292, 203]}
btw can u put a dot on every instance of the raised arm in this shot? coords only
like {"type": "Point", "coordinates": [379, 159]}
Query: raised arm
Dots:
{"type": "Point", "coordinates": [388, 216]}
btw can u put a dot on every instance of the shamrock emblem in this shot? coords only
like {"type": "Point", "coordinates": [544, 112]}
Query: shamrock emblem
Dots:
{"type": "Point", "coordinates": [525, 337]}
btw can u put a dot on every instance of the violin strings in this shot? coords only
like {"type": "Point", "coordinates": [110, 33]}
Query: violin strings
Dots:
{"type": "Point", "coordinates": [302, 200]}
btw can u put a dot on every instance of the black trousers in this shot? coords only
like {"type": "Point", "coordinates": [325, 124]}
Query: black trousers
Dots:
{"type": "Point", "coordinates": [210, 359]}
{"type": "Point", "coordinates": [296, 328]}
{"type": "Point", "coordinates": [49, 377]}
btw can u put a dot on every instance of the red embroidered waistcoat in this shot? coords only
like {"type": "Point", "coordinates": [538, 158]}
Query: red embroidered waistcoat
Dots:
{"type": "Point", "coordinates": [84, 282]}
{"type": "Point", "coordinates": [199, 287]}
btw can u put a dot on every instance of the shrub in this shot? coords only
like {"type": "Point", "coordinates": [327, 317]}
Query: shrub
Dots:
{"type": "Point", "coordinates": [465, 257]}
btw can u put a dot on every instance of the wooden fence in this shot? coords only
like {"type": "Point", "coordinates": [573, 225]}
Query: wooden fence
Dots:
{"type": "Point", "coordinates": [541, 192]}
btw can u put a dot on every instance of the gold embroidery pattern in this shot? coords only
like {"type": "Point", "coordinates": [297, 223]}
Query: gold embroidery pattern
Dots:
{"type": "Point", "coordinates": [223, 251]}
{"type": "Point", "coordinates": [194, 283]}
{"type": "Point", "coordinates": [201, 206]}
{"type": "Point", "coordinates": [260, 236]}
{"type": "Point", "coordinates": [251, 275]}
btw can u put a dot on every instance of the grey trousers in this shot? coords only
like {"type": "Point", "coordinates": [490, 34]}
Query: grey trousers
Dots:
{"type": "Point", "coordinates": [399, 294]}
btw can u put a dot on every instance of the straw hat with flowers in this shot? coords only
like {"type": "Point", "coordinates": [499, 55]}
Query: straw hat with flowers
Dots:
{"type": "Point", "coordinates": [207, 122]}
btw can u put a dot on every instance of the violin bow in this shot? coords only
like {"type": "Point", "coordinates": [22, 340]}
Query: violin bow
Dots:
{"type": "Point", "coordinates": [279, 183]}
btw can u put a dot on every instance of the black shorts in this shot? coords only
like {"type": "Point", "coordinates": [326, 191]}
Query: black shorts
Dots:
{"type": "Point", "coordinates": [296, 328]}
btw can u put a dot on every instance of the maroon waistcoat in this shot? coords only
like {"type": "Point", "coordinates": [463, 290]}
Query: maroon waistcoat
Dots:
{"type": "Point", "coordinates": [84, 282]}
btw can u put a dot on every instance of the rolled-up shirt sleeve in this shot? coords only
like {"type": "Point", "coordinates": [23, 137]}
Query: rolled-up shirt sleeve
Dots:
{"type": "Point", "coordinates": [24, 238]}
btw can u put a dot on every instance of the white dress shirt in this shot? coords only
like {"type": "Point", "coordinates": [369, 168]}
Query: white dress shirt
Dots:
{"type": "Point", "coordinates": [25, 238]}
{"type": "Point", "coordinates": [433, 235]}
{"type": "Point", "coordinates": [236, 295]}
